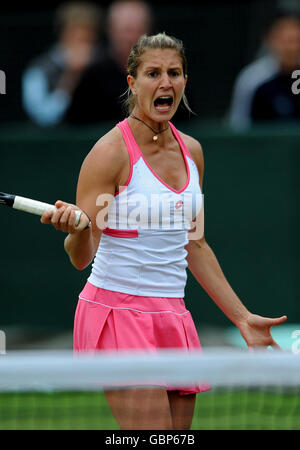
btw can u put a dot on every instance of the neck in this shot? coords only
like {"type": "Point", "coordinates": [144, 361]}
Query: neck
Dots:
{"type": "Point", "coordinates": [289, 67]}
{"type": "Point", "coordinates": [156, 125]}
{"type": "Point", "coordinates": [149, 131]}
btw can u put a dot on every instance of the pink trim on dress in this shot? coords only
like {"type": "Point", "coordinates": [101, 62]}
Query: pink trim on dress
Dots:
{"type": "Point", "coordinates": [130, 142]}
{"type": "Point", "coordinates": [121, 233]}
{"type": "Point", "coordinates": [131, 152]}
{"type": "Point", "coordinates": [182, 146]}
{"type": "Point", "coordinates": [180, 140]}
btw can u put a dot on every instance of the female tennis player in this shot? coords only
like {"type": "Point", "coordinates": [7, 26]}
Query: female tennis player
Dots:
{"type": "Point", "coordinates": [133, 298]}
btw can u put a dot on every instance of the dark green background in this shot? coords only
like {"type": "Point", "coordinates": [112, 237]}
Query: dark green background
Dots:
{"type": "Point", "coordinates": [251, 180]}
{"type": "Point", "coordinates": [251, 192]}
{"type": "Point", "coordinates": [220, 37]}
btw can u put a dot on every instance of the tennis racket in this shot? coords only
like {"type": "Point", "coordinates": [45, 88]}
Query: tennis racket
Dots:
{"type": "Point", "coordinates": [30, 206]}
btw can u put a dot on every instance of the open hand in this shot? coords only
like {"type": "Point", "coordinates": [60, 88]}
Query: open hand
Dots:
{"type": "Point", "coordinates": [256, 331]}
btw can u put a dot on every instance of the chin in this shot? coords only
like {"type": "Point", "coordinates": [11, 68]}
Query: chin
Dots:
{"type": "Point", "coordinates": [160, 116]}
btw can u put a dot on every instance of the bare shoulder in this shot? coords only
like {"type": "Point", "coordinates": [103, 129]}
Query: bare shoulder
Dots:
{"type": "Point", "coordinates": [109, 149]}
{"type": "Point", "coordinates": [108, 155]}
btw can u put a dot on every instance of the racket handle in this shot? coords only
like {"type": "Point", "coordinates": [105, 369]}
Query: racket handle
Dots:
{"type": "Point", "coordinates": [36, 207]}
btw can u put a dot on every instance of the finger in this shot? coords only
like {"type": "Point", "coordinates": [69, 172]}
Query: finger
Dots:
{"type": "Point", "coordinates": [72, 219]}
{"type": "Point", "coordinates": [65, 219]}
{"type": "Point", "coordinates": [47, 216]}
{"type": "Point", "coordinates": [72, 228]}
{"type": "Point", "coordinates": [276, 346]}
{"type": "Point", "coordinates": [60, 204]}
{"type": "Point", "coordinates": [57, 216]}
{"type": "Point", "coordinates": [270, 322]}
{"type": "Point", "coordinates": [278, 320]}
{"type": "Point", "coordinates": [257, 348]}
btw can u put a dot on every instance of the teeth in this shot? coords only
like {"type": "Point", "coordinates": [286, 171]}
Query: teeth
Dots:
{"type": "Point", "coordinates": [162, 107]}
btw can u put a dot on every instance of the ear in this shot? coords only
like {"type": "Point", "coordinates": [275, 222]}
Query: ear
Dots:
{"type": "Point", "coordinates": [131, 83]}
{"type": "Point", "coordinates": [185, 80]}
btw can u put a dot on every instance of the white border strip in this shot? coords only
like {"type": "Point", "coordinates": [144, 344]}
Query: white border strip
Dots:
{"type": "Point", "coordinates": [132, 309]}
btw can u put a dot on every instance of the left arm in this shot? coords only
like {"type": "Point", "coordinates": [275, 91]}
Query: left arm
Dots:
{"type": "Point", "coordinates": [204, 265]}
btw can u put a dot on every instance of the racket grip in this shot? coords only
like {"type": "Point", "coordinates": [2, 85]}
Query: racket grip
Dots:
{"type": "Point", "coordinates": [36, 207]}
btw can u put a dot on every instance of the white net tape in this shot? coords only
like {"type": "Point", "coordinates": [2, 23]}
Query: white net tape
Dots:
{"type": "Point", "coordinates": [220, 367]}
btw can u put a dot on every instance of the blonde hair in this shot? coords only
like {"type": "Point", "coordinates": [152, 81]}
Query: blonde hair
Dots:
{"type": "Point", "coordinates": [157, 41]}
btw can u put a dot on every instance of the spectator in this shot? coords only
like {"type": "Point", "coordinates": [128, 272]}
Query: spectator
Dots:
{"type": "Point", "coordinates": [106, 81]}
{"type": "Point", "coordinates": [127, 21]}
{"type": "Point", "coordinates": [262, 91]}
{"type": "Point", "coordinates": [51, 80]}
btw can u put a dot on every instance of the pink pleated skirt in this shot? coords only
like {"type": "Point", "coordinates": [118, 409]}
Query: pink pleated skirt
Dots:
{"type": "Point", "coordinates": [114, 321]}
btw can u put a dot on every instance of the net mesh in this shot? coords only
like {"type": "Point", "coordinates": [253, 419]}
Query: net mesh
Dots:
{"type": "Point", "coordinates": [57, 390]}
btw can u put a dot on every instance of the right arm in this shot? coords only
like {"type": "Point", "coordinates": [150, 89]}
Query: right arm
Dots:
{"type": "Point", "coordinates": [100, 174]}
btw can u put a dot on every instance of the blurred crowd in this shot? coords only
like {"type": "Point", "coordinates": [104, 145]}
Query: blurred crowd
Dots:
{"type": "Point", "coordinates": [81, 78]}
{"type": "Point", "coordinates": [263, 89]}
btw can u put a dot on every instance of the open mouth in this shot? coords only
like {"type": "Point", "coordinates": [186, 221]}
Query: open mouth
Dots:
{"type": "Point", "coordinates": [163, 103]}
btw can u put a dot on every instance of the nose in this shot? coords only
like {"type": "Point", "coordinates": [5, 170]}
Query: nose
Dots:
{"type": "Point", "coordinates": [165, 81]}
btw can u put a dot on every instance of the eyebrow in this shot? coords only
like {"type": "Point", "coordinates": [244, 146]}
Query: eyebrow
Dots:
{"type": "Point", "coordinates": [158, 67]}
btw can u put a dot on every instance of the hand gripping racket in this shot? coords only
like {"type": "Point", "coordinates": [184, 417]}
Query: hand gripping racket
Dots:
{"type": "Point", "coordinates": [30, 206]}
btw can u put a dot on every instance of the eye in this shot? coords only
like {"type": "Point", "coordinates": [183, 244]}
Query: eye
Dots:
{"type": "Point", "coordinates": [152, 74]}
{"type": "Point", "coordinates": [174, 73]}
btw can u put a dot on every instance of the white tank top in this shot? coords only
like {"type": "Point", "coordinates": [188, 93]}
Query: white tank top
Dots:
{"type": "Point", "coordinates": [142, 249]}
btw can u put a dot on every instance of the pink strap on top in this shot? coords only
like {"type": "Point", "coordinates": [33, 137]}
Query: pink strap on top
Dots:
{"type": "Point", "coordinates": [133, 148]}
{"type": "Point", "coordinates": [135, 152]}
{"type": "Point", "coordinates": [180, 140]}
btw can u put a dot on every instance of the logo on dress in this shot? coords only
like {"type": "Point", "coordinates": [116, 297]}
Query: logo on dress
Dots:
{"type": "Point", "coordinates": [179, 204]}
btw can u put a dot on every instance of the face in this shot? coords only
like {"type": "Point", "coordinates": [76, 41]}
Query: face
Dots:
{"type": "Point", "coordinates": [284, 40]}
{"type": "Point", "coordinates": [127, 23]}
{"type": "Point", "coordinates": [78, 36]}
{"type": "Point", "coordinates": [159, 84]}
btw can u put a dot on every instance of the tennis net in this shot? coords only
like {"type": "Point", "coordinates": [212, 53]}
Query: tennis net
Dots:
{"type": "Point", "coordinates": [59, 390]}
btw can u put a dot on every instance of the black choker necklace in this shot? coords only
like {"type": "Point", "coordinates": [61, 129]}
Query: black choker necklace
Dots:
{"type": "Point", "coordinates": [155, 137]}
